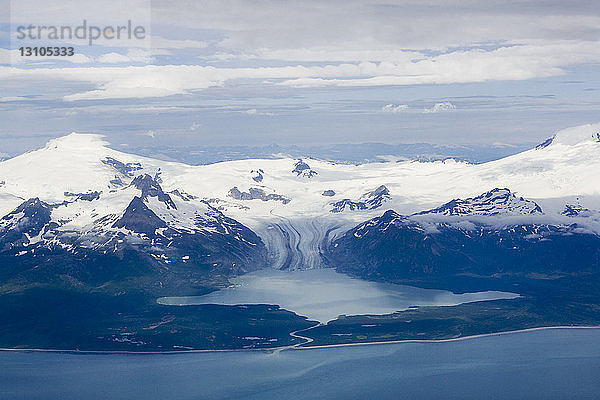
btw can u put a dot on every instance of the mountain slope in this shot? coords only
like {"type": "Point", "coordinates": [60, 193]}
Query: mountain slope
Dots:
{"type": "Point", "coordinates": [161, 243]}
{"type": "Point", "coordinates": [91, 236]}
{"type": "Point", "coordinates": [282, 200]}
{"type": "Point", "coordinates": [479, 243]}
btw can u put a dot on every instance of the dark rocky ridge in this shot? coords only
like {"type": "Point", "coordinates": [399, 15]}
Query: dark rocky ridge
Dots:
{"type": "Point", "coordinates": [127, 169]}
{"type": "Point", "coordinates": [256, 193]}
{"type": "Point", "coordinates": [368, 201]}
{"type": "Point", "coordinates": [496, 201]}
{"type": "Point", "coordinates": [482, 256]}
{"type": "Point", "coordinates": [151, 188]}
{"type": "Point", "coordinates": [139, 218]}
{"type": "Point", "coordinates": [303, 169]}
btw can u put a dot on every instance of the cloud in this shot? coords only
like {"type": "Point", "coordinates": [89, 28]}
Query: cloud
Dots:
{"type": "Point", "coordinates": [394, 108]}
{"type": "Point", "coordinates": [337, 30]}
{"type": "Point", "coordinates": [321, 55]}
{"type": "Point", "coordinates": [132, 56]}
{"type": "Point", "coordinates": [527, 60]}
{"type": "Point", "coordinates": [12, 98]}
{"type": "Point", "coordinates": [113, 58]}
{"type": "Point", "coordinates": [159, 42]}
{"type": "Point", "coordinates": [413, 42]}
{"type": "Point", "coordinates": [254, 111]}
{"type": "Point", "coordinates": [353, 25]}
{"type": "Point", "coordinates": [444, 106]}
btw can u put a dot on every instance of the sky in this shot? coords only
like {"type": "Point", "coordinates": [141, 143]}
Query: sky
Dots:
{"type": "Point", "coordinates": [217, 73]}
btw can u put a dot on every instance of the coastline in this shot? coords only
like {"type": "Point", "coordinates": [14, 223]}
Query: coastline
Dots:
{"type": "Point", "coordinates": [299, 346]}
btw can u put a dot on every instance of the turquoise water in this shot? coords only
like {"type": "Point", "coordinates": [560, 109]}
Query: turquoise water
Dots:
{"type": "Point", "coordinates": [550, 364]}
{"type": "Point", "coordinates": [323, 294]}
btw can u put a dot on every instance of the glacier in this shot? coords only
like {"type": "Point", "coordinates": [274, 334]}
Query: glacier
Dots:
{"type": "Point", "coordinates": [86, 182]}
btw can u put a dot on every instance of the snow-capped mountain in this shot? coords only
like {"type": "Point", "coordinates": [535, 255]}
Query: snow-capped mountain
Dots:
{"type": "Point", "coordinates": [133, 233]}
{"type": "Point", "coordinates": [496, 201]}
{"type": "Point", "coordinates": [463, 253]}
{"type": "Point", "coordinates": [79, 195]}
{"type": "Point", "coordinates": [368, 201]}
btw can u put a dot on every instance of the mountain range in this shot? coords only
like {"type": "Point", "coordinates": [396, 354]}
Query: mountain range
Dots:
{"type": "Point", "coordinates": [81, 217]}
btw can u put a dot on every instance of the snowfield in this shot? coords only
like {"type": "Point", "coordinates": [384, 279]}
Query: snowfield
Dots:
{"type": "Point", "coordinates": [92, 181]}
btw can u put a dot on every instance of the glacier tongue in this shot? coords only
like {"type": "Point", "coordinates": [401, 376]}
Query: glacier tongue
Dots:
{"type": "Point", "coordinates": [298, 243]}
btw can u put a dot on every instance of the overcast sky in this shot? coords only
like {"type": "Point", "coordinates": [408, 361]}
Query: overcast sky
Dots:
{"type": "Point", "coordinates": [260, 72]}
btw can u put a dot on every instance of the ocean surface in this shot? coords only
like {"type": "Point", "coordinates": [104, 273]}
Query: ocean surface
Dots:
{"type": "Point", "coordinates": [548, 364]}
{"type": "Point", "coordinates": [323, 294]}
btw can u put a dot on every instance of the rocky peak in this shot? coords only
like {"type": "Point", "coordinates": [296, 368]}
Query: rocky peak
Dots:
{"type": "Point", "coordinates": [496, 201]}
{"type": "Point", "coordinates": [368, 201]}
{"type": "Point", "coordinates": [139, 218]}
{"type": "Point", "coordinates": [151, 188]}
{"type": "Point", "coordinates": [29, 219]}
{"type": "Point", "coordinates": [303, 169]}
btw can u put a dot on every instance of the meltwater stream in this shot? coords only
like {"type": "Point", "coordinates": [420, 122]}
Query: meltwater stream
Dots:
{"type": "Point", "coordinates": [323, 294]}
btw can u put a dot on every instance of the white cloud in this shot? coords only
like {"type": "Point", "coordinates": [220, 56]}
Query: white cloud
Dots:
{"type": "Point", "coordinates": [353, 25]}
{"type": "Point", "coordinates": [332, 31]}
{"type": "Point", "coordinates": [254, 111]}
{"type": "Point", "coordinates": [132, 56]}
{"type": "Point", "coordinates": [444, 106]}
{"type": "Point", "coordinates": [394, 108]}
{"type": "Point", "coordinates": [503, 145]}
{"type": "Point", "coordinates": [113, 58]}
{"type": "Point", "coordinates": [12, 98]}
{"type": "Point", "coordinates": [322, 55]}
{"type": "Point", "coordinates": [163, 43]}
{"type": "Point", "coordinates": [530, 60]}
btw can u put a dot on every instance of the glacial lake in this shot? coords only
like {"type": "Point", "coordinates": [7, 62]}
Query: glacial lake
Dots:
{"type": "Point", "coordinates": [323, 294]}
{"type": "Point", "coordinates": [549, 364]}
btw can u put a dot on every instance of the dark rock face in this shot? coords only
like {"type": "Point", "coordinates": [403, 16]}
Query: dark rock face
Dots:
{"type": "Point", "coordinates": [375, 198]}
{"type": "Point", "coordinates": [182, 195]}
{"type": "Point", "coordinates": [151, 188]}
{"type": "Point", "coordinates": [574, 210]}
{"type": "Point", "coordinates": [256, 193]}
{"type": "Point", "coordinates": [139, 218]}
{"type": "Point", "coordinates": [328, 193]}
{"type": "Point", "coordinates": [368, 201]}
{"type": "Point", "coordinates": [303, 169]}
{"type": "Point", "coordinates": [545, 143]}
{"type": "Point", "coordinates": [126, 169]}
{"type": "Point", "coordinates": [30, 219]}
{"type": "Point", "coordinates": [258, 177]}
{"type": "Point", "coordinates": [496, 201]}
{"type": "Point", "coordinates": [341, 205]}
{"type": "Point", "coordinates": [398, 248]}
{"type": "Point", "coordinates": [90, 196]}
{"type": "Point", "coordinates": [117, 181]}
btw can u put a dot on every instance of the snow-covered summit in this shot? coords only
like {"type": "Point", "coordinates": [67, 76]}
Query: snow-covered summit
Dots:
{"type": "Point", "coordinates": [77, 142]}
{"type": "Point", "coordinates": [589, 133]}
{"type": "Point", "coordinates": [496, 201]}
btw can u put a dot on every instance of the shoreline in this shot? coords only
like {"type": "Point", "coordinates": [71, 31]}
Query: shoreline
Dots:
{"type": "Point", "coordinates": [456, 339]}
{"type": "Point", "coordinates": [299, 347]}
